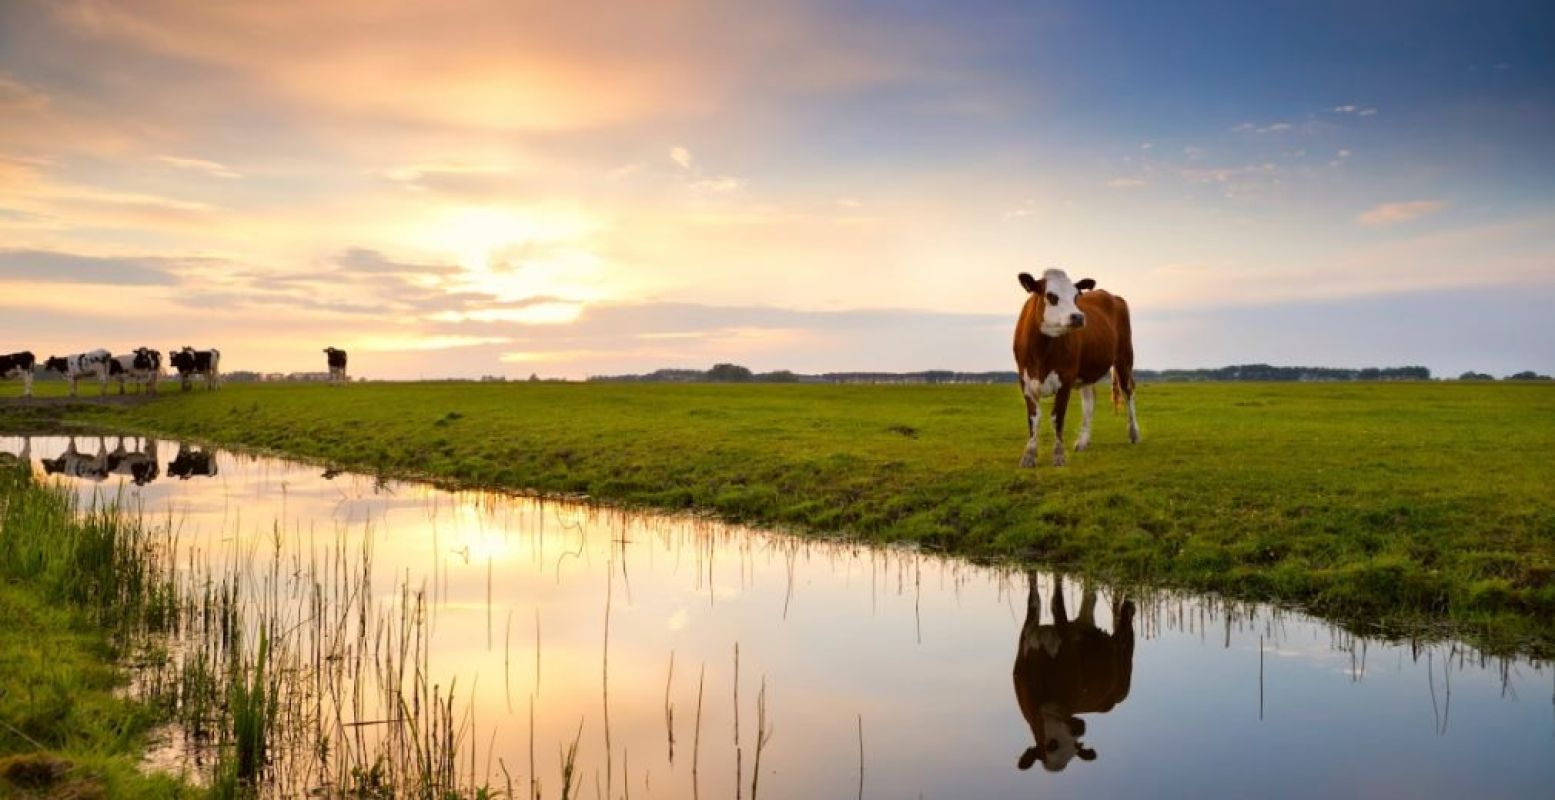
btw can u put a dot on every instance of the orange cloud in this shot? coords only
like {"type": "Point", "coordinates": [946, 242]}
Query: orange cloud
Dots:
{"type": "Point", "coordinates": [1394, 213]}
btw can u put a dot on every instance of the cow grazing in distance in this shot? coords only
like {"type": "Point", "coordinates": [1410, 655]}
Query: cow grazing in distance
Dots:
{"type": "Point", "coordinates": [1068, 668]}
{"type": "Point", "coordinates": [75, 367]}
{"type": "Point", "coordinates": [19, 365]}
{"type": "Point", "coordinates": [74, 464]}
{"type": "Point", "coordinates": [192, 463]}
{"type": "Point", "coordinates": [191, 362]}
{"type": "Point", "coordinates": [1069, 335]}
{"type": "Point", "coordinates": [142, 367]}
{"type": "Point", "coordinates": [337, 365]}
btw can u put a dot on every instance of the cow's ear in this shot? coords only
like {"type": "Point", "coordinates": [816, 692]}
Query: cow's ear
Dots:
{"type": "Point", "coordinates": [1030, 284]}
{"type": "Point", "coordinates": [1086, 754]}
{"type": "Point", "coordinates": [1085, 285]}
{"type": "Point", "coordinates": [1027, 758]}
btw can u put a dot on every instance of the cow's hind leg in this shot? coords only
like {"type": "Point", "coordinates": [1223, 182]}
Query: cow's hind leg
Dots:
{"type": "Point", "coordinates": [1033, 425]}
{"type": "Point", "coordinates": [1123, 379]}
{"type": "Point", "coordinates": [1087, 410]}
{"type": "Point", "coordinates": [27, 383]}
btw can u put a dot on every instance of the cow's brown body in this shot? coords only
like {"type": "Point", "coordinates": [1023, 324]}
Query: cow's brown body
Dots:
{"type": "Point", "coordinates": [1096, 341]}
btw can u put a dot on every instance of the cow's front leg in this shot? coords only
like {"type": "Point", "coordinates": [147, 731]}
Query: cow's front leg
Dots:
{"type": "Point", "coordinates": [27, 383]}
{"type": "Point", "coordinates": [102, 385]}
{"type": "Point", "coordinates": [1087, 410]}
{"type": "Point", "coordinates": [1033, 424]}
{"type": "Point", "coordinates": [74, 381]}
{"type": "Point", "coordinates": [1087, 615]}
{"type": "Point", "coordinates": [1060, 407]}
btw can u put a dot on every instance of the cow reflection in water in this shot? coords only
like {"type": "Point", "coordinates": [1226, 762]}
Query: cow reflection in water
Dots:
{"type": "Point", "coordinates": [21, 460]}
{"type": "Point", "coordinates": [1068, 668]}
{"type": "Point", "coordinates": [192, 463]}
{"type": "Point", "coordinates": [75, 464]}
{"type": "Point", "coordinates": [139, 465]}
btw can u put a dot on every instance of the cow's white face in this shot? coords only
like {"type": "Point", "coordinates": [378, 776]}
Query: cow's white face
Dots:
{"type": "Point", "coordinates": [1060, 315]}
{"type": "Point", "coordinates": [1060, 742]}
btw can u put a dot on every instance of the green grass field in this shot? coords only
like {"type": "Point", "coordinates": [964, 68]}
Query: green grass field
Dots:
{"type": "Point", "coordinates": [1386, 504]}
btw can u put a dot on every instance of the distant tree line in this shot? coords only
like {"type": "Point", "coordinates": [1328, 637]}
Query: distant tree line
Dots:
{"type": "Point", "coordinates": [1267, 372]}
{"type": "Point", "coordinates": [734, 373]}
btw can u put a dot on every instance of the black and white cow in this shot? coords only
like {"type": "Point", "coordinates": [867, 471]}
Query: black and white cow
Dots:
{"type": "Point", "coordinates": [337, 365]}
{"type": "Point", "coordinates": [192, 463]}
{"type": "Point", "coordinates": [19, 365]}
{"type": "Point", "coordinates": [74, 464]}
{"type": "Point", "coordinates": [143, 367]}
{"type": "Point", "coordinates": [75, 367]}
{"type": "Point", "coordinates": [191, 362]}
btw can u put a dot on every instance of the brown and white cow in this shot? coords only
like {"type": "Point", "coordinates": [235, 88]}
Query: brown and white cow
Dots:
{"type": "Point", "coordinates": [1067, 668]}
{"type": "Point", "coordinates": [1071, 335]}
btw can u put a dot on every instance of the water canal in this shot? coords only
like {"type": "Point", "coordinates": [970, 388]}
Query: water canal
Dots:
{"type": "Point", "coordinates": [680, 653]}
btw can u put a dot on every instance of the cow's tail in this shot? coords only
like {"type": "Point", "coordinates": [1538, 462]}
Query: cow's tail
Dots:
{"type": "Point", "coordinates": [1117, 394]}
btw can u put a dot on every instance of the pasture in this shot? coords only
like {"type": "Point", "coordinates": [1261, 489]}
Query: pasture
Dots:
{"type": "Point", "coordinates": [1394, 503]}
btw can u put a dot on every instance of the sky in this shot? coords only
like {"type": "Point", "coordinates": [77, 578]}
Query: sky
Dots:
{"type": "Point", "coordinates": [455, 189]}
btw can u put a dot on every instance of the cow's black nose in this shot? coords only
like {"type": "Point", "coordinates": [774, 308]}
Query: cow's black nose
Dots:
{"type": "Point", "coordinates": [1077, 320]}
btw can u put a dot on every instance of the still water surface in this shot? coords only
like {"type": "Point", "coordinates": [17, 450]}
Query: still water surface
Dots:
{"type": "Point", "coordinates": [945, 678]}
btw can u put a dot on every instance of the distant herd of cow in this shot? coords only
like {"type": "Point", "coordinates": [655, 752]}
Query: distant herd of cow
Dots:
{"type": "Point", "coordinates": [141, 367]}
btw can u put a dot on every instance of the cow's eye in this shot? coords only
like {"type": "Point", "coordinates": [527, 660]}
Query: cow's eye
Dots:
{"type": "Point", "coordinates": [1052, 298]}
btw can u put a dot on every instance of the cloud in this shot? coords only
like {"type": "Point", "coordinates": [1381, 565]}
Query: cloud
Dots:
{"type": "Point", "coordinates": [718, 185]}
{"type": "Point", "coordinates": [16, 97]}
{"type": "Point", "coordinates": [1351, 108]}
{"type": "Point", "coordinates": [210, 168]}
{"type": "Point", "coordinates": [681, 156]}
{"type": "Point", "coordinates": [465, 181]}
{"type": "Point", "coordinates": [54, 267]}
{"type": "Point", "coordinates": [1394, 213]}
{"type": "Point", "coordinates": [1126, 183]}
{"type": "Point", "coordinates": [1248, 127]}
{"type": "Point", "coordinates": [365, 261]}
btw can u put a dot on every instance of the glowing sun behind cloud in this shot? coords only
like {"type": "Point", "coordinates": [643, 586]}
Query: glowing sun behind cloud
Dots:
{"type": "Point", "coordinates": [536, 262]}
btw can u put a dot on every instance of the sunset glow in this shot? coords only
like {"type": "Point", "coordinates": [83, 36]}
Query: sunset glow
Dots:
{"type": "Point", "coordinates": [491, 187]}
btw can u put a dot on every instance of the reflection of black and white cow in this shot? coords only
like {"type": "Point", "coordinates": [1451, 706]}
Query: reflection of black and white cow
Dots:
{"type": "Point", "coordinates": [142, 367]}
{"type": "Point", "coordinates": [192, 463]}
{"type": "Point", "coordinates": [19, 365]}
{"type": "Point", "coordinates": [191, 362]}
{"type": "Point", "coordinates": [80, 365]}
{"type": "Point", "coordinates": [337, 365]}
{"type": "Point", "coordinates": [1069, 668]}
{"type": "Point", "coordinates": [140, 466]}
{"type": "Point", "coordinates": [74, 464]}
{"type": "Point", "coordinates": [21, 460]}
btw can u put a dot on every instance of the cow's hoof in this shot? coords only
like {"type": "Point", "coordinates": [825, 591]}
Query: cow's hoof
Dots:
{"type": "Point", "coordinates": [1082, 445]}
{"type": "Point", "coordinates": [1058, 460]}
{"type": "Point", "coordinates": [1028, 461]}
{"type": "Point", "coordinates": [1133, 437]}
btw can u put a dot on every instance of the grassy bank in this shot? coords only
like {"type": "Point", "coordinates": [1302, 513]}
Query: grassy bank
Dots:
{"type": "Point", "coordinates": [64, 732]}
{"type": "Point", "coordinates": [1392, 503]}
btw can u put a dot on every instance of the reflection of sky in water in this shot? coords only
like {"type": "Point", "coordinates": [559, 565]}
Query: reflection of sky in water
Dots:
{"type": "Point", "coordinates": [921, 647]}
